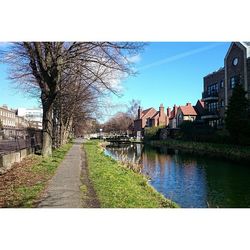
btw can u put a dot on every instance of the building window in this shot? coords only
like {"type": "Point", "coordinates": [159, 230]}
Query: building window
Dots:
{"type": "Point", "coordinates": [234, 80]}
{"type": "Point", "coordinates": [213, 106]}
{"type": "Point", "coordinates": [235, 61]}
{"type": "Point", "coordinates": [222, 84]}
{"type": "Point", "coordinates": [222, 103]}
{"type": "Point", "coordinates": [211, 89]}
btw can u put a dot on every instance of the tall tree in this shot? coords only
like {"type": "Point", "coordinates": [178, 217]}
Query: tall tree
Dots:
{"type": "Point", "coordinates": [238, 115]}
{"type": "Point", "coordinates": [44, 66]}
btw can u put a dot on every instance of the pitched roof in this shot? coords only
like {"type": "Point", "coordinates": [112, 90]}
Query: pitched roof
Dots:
{"type": "Point", "coordinates": [188, 110]}
{"type": "Point", "coordinates": [200, 102]}
{"type": "Point", "coordinates": [144, 112]}
{"type": "Point", "coordinates": [199, 107]}
{"type": "Point", "coordinates": [173, 112]}
{"type": "Point", "coordinates": [247, 46]}
{"type": "Point", "coordinates": [156, 115]}
{"type": "Point", "coordinates": [148, 113]}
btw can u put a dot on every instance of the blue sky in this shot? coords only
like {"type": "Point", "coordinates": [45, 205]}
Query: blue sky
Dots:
{"type": "Point", "coordinates": [168, 72]}
{"type": "Point", "coordinates": [172, 73]}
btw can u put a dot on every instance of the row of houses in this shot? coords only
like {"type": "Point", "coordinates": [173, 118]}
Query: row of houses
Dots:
{"type": "Point", "coordinates": [217, 91]}
{"type": "Point", "coordinates": [172, 118]}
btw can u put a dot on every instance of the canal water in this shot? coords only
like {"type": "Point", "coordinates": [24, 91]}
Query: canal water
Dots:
{"type": "Point", "coordinates": [187, 179]}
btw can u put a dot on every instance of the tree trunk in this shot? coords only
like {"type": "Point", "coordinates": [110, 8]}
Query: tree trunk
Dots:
{"type": "Point", "coordinates": [47, 128]}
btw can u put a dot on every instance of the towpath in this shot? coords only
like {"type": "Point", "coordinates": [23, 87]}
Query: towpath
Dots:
{"type": "Point", "coordinates": [71, 187]}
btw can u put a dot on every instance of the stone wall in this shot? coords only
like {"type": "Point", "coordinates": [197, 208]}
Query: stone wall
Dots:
{"type": "Point", "coordinates": [7, 160]}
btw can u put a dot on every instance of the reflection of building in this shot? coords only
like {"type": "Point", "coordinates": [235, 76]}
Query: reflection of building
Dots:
{"type": "Point", "coordinates": [7, 117]}
{"type": "Point", "coordinates": [33, 116]}
{"type": "Point", "coordinates": [218, 86]}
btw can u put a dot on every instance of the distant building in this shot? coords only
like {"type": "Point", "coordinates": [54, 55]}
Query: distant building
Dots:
{"type": "Point", "coordinates": [8, 120]}
{"type": "Point", "coordinates": [7, 117]}
{"type": "Point", "coordinates": [219, 85]}
{"type": "Point", "coordinates": [149, 118]}
{"type": "Point", "coordinates": [172, 116]}
{"type": "Point", "coordinates": [34, 116]}
{"type": "Point", "coordinates": [185, 113]}
{"type": "Point", "coordinates": [200, 110]}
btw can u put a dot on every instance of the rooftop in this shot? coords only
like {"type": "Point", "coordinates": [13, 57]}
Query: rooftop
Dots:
{"type": "Point", "coordinates": [188, 109]}
{"type": "Point", "coordinates": [217, 71]}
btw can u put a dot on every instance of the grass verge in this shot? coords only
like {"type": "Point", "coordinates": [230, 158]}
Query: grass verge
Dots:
{"type": "Point", "coordinates": [25, 182]}
{"type": "Point", "coordinates": [229, 152]}
{"type": "Point", "coordinates": [119, 187]}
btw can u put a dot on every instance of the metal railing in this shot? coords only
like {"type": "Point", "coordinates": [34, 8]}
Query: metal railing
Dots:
{"type": "Point", "coordinates": [207, 94]}
{"type": "Point", "coordinates": [210, 114]}
{"type": "Point", "coordinates": [22, 139]}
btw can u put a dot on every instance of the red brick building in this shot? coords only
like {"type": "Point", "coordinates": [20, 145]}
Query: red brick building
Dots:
{"type": "Point", "coordinates": [219, 85]}
{"type": "Point", "coordinates": [185, 113]}
{"type": "Point", "coordinates": [149, 118]}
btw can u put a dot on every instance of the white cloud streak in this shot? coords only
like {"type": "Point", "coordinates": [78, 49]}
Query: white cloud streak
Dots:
{"type": "Point", "coordinates": [179, 56]}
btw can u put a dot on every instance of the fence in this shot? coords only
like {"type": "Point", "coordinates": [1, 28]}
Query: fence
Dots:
{"type": "Point", "coordinates": [18, 139]}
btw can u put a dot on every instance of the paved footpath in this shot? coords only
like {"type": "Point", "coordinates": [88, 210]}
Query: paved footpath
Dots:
{"type": "Point", "coordinates": [64, 189]}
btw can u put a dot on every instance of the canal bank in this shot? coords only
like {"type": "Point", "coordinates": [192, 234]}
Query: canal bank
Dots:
{"type": "Point", "coordinates": [119, 187]}
{"type": "Point", "coordinates": [233, 153]}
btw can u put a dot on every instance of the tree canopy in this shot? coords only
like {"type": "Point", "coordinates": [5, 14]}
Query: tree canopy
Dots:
{"type": "Point", "coordinates": [67, 76]}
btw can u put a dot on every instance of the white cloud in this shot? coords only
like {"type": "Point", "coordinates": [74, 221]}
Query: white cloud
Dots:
{"type": "Point", "coordinates": [134, 59]}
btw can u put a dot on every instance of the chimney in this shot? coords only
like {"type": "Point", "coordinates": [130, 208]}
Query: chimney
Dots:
{"type": "Point", "coordinates": [168, 111]}
{"type": "Point", "coordinates": [188, 104]}
{"type": "Point", "coordinates": [161, 110]}
{"type": "Point", "coordinates": [175, 110]}
{"type": "Point", "coordinates": [139, 112]}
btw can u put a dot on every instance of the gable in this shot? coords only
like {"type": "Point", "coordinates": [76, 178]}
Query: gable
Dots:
{"type": "Point", "coordinates": [187, 110]}
{"type": "Point", "coordinates": [233, 47]}
{"type": "Point", "coordinates": [148, 113]}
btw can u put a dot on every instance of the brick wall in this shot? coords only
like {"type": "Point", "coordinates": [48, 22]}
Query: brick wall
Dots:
{"type": "Point", "coordinates": [233, 70]}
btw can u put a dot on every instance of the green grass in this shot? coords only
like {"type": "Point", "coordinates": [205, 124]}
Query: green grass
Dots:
{"type": "Point", "coordinates": [118, 187]}
{"type": "Point", "coordinates": [27, 194]}
{"type": "Point", "coordinates": [230, 152]}
{"type": "Point", "coordinates": [48, 165]}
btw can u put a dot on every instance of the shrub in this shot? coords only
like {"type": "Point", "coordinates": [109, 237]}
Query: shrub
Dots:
{"type": "Point", "coordinates": [193, 131]}
{"type": "Point", "coordinates": [152, 133]}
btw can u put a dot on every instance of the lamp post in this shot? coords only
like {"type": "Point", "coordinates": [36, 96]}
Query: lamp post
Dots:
{"type": "Point", "coordinates": [100, 132]}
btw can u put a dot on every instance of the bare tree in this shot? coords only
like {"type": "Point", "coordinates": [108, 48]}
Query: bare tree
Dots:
{"type": "Point", "coordinates": [133, 108]}
{"type": "Point", "coordinates": [119, 123]}
{"type": "Point", "coordinates": [44, 66]}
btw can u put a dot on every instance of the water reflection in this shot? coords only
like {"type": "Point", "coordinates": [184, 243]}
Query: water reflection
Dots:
{"type": "Point", "coordinates": [189, 180]}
